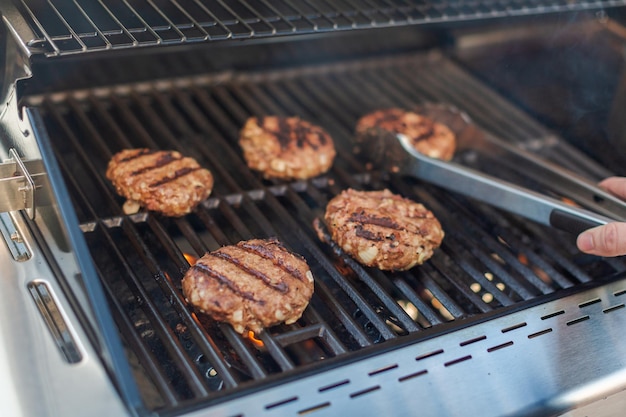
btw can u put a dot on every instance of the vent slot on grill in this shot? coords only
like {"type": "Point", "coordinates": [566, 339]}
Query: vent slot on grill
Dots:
{"type": "Point", "coordinates": [189, 359]}
{"type": "Point", "coordinates": [53, 317]}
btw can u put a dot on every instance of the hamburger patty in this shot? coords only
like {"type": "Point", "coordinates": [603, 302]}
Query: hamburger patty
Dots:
{"type": "Point", "coordinates": [286, 147]}
{"type": "Point", "coordinates": [252, 285]}
{"type": "Point", "coordinates": [163, 181]}
{"type": "Point", "coordinates": [428, 137]}
{"type": "Point", "coordinates": [383, 230]}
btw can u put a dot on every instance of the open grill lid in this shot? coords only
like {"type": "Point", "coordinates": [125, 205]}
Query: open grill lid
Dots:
{"type": "Point", "coordinates": [490, 264]}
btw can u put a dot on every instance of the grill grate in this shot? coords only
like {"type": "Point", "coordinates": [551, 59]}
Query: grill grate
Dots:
{"type": "Point", "coordinates": [490, 261]}
{"type": "Point", "coordinates": [73, 26]}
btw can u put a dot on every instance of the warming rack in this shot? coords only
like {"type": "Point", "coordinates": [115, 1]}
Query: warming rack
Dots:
{"type": "Point", "coordinates": [64, 27]}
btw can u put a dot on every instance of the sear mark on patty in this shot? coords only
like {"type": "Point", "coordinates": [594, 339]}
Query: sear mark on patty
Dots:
{"type": "Point", "coordinates": [278, 286]}
{"type": "Point", "coordinates": [366, 234]}
{"type": "Point", "coordinates": [163, 160]}
{"type": "Point", "coordinates": [177, 174]}
{"type": "Point", "coordinates": [207, 271]}
{"type": "Point", "coordinates": [364, 218]}
{"type": "Point", "coordinates": [271, 254]}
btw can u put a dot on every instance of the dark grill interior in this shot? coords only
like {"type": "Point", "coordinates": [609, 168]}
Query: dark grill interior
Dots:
{"type": "Point", "coordinates": [490, 261]}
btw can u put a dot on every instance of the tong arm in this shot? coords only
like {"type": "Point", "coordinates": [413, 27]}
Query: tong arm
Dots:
{"type": "Point", "coordinates": [550, 174]}
{"type": "Point", "coordinates": [498, 193]}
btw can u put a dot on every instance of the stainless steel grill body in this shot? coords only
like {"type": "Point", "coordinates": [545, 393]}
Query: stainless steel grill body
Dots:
{"type": "Point", "coordinates": [508, 358]}
{"type": "Point", "coordinates": [508, 311]}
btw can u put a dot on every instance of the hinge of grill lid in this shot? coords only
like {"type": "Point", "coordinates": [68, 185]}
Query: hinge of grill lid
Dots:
{"type": "Point", "coordinates": [19, 182]}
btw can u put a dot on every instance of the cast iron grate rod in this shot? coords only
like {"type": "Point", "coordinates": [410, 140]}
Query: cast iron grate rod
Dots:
{"type": "Point", "coordinates": [427, 316]}
{"type": "Point", "coordinates": [246, 203]}
{"type": "Point", "coordinates": [469, 233]}
{"type": "Point", "coordinates": [208, 346]}
{"type": "Point", "coordinates": [533, 258]}
{"type": "Point", "coordinates": [307, 213]}
{"type": "Point", "coordinates": [277, 352]}
{"type": "Point", "coordinates": [171, 344]}
{"type": "Point", "coordinates": [475, 270]}
{"type": "Point", "coordinates": [476, 225]}
{"type": "Point", "coordinates": [231, 105]}
{"type": "Point", "coordinates": [563, 257]}
{"type": "Point", "coordinates": [228, 103]}
{"type": "Point", "coordinates": [359, 98]}
{"type": "Point", "coordinates": [362, 100]}
{"type": "Point", "coordinates": [478, 103]}
{"type": "Point", "coordinates": [406, 321]}
{"type": "Point", "coordinates": [142, 352]}
{"type": "Point", "coordinates": [170, 341]}
{"type": "Point", "coordinates": [208, 105]}
{"type": "Point", "coordinates": [268, 105]}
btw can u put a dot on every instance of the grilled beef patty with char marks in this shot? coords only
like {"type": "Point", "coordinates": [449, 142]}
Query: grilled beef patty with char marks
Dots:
{"type": "Point", "coordinates": [286, 147]}
{"type": "Point", "coordinates": [381, 229]}
{"type": "Point", "coordinates": [252, 285]}
{"type": "Point", "coordinates": [427, 136]}
{"type": "Point", "coordinates": [163, 181]}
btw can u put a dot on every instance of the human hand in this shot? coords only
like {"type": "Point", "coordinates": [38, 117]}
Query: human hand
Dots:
{"type": "Point", "coordinates": [609, 239]}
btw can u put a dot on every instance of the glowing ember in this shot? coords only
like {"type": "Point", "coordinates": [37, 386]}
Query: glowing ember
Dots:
{"type": "Point", "coordinates": [538, 271]}
{"type": "Point", "coordinates": [569, 202]}
{"type": "Point", "coordinates": [190, 258]}
{"type": "Point", "coordinates": [522, 258]}
{"type": "Point", "coordinates": [254, 340]}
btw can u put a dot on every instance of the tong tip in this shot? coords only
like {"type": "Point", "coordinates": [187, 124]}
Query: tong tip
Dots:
{"type": "Point", "coordinates": [384, 149]}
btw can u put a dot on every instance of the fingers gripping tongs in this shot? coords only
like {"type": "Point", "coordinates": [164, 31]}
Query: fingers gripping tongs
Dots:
{"type": "Point", "coordinates": [397, 155]}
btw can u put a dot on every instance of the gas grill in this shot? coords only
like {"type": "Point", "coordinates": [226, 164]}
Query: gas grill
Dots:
{"type": "Point", "coordinates": [507, 318]}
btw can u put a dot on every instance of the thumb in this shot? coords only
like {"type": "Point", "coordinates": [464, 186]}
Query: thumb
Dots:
{"type": "Point", "coordinates": [606, 240]}
{"type": "Point", "coordinates": [615, 186]}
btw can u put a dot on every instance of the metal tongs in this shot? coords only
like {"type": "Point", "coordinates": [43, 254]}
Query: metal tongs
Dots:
{"type": "Point", "coordinates": [396, 153]}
